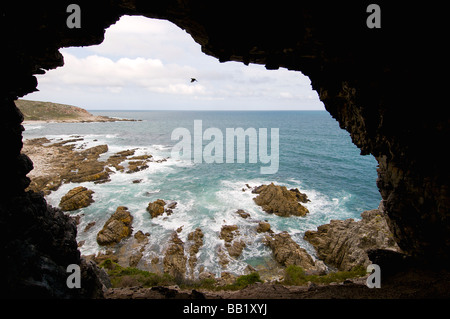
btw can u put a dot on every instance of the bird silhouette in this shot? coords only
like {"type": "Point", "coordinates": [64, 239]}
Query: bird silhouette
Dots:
{"type": "Point", "coordinates": [193, 80]}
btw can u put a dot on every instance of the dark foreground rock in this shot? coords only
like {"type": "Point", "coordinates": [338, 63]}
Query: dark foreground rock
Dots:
{"type": "Point", "coordinates": [37, 251]}
{"type": "Point", "coordinates": [409, 284]}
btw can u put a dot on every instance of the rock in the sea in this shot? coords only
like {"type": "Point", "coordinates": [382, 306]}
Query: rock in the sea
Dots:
{"type": "Point", "coordinates": [227, 232]}
{"type": "Point", "coordinates": [243, 213]}
{"type": "Point", "coordinates": [287, 252]}
{"type": "Point", "coordinates": [76, 198]}
{"type": "Point", "coordinates": [174, 261]}
{"type": "Point", "coordinates": [159, 207]}
{"type": "Point", "coordinates": [117, 227]}
{"type": "Point", "coordinates": [156, 208]}
{"type": "Point", "coordinates": [234, 246]}
{"type": "Point", "coordinates": [301, 197]}
{"type": "Point", "coordinates": [278, 200]}
{"type": "Point", "coordinates": [196, 237]}
{"type": "Point", "coordinates": [344, 243]}
{"type": "Point", "coordinates": [263, 227]}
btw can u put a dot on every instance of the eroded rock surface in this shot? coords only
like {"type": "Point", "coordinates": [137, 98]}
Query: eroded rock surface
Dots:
{"type": "Point", "coordinates": [278, 200]}
{"type": "Point", "coordinates": [59, 162]}
{"type": "Point", "coordinates": [174, 258]}
{"type": "Point", "coordinates": [287, 252]}
{"type": "Point", "coordinates": [159, 207]}
{"type": "Point", "coordinates": [344, 243]}
{"type": "Point", "coordinates": [76, 198]}
{"type": "Point", "coordinates": [116, 228]}
{"type": "Point", "coordinates": [196, 242]}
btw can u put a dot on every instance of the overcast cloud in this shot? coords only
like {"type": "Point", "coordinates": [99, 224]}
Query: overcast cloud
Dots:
{"type": "Point", "coordinates": [147, 64]}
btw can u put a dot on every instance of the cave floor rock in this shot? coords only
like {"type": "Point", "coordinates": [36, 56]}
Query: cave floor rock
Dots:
{"type": "Point", "coordinates": [411, 284]}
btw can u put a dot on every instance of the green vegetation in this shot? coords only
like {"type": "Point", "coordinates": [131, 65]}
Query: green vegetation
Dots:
{"type": "Point", "coordinates": [130, 276]}
{"type": "Point", "coordinates": [243, 281]}
{"type": "Point", "coordinates": [295, 275]}
{"type": "Point", "coordinates": [43, 111]}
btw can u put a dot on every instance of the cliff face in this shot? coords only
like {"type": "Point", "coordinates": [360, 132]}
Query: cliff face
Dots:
{"type": "Point", "coordinates": [376, 82]}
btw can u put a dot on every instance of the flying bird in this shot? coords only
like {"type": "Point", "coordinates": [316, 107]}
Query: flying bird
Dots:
{"type": "Point", "coordinates": [193, 80]}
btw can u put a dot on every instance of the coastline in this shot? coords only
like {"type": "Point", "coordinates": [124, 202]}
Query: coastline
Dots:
{"type": "Point", "coordinates": [92, 119]}
{"type": "Point", "coordinates": [71, 164]}
{"type": "Point", "coordinates": [38, 112]}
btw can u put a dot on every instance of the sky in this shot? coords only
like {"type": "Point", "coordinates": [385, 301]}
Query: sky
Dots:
{"type": "Point", "coordinates": [147, 64]}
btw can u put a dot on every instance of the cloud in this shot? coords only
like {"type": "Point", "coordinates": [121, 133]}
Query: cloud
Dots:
{"type": "Point", "coordinates": [102, 72]}
{"type": "Point", "coordinates": [137, 36]}
{"type": "Point", "coordinates": [146, 60]}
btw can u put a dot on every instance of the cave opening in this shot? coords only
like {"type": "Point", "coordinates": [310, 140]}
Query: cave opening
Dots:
{"type": "Point", "coordinates": [137, 70]}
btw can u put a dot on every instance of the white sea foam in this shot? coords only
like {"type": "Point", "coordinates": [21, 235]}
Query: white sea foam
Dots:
{"type": "Point", "coordinates": [29, 127]}
{"type": "Point", "coordinates": [208, 197]}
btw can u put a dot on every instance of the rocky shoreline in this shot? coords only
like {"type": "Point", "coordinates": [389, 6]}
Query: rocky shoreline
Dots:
{"type": "Point", "coordinates": [340, 245]}
{"type": "Point", "coordinates": [61, 161]}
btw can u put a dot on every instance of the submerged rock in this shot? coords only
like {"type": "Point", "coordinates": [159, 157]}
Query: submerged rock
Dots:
{"type": "Point", "coordinates": [243, 213]}
{"type": "Point", "coordinates": [344, 243]}
{"type": "Point", "coordinates": [76, 198]}
{"type": "Point", "coordinates": [278, 200]}
{"type": "Point", "coordinates": [117, 227]}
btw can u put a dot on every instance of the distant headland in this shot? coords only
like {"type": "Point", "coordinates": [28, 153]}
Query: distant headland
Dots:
{"type": "Point", "coordinates": [37, 111]}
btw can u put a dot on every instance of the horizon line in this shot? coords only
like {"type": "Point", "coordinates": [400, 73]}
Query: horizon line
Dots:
{"type": "Point", "coordinates": [193, 110]}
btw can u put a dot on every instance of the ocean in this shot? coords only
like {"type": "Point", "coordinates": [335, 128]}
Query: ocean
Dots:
{"type": "Point", "coordinates": [315, 156]}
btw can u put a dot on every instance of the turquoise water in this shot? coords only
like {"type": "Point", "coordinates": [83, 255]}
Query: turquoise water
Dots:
{"type": "Point", "coordinates": [315, 155]}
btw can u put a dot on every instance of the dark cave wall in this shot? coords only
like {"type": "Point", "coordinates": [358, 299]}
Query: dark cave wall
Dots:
{"type": "Point", "coordinates": [370, 80]}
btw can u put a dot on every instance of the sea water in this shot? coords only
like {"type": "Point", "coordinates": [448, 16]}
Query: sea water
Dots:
{"type": "Point", "coordinates": [315, 156]}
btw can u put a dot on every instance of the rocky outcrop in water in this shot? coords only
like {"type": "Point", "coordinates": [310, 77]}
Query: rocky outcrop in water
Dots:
{"type": "Point", "coordinates": [159, 207]}
{"type": "Point", "coordinates": [59, 162]}
{"type": "Point", "coordinates": [233, 244]}
{"type": "Point", "coordinates": [156, 208]}
{"type": "Point", "coordinates": [344, 243]}
{"type": "Point", "coordinates": [287, 252]}
{"type": "Point", "coordinates": [278, 200]}
{"type": "Point", "coordinates": [76, 198]}
{"type": "Point", "coordinates": [116, 228]}
{"type": "Point", "coordinates": [196, 242]}
{"type": "Point", "coordinates": [174, 258]}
